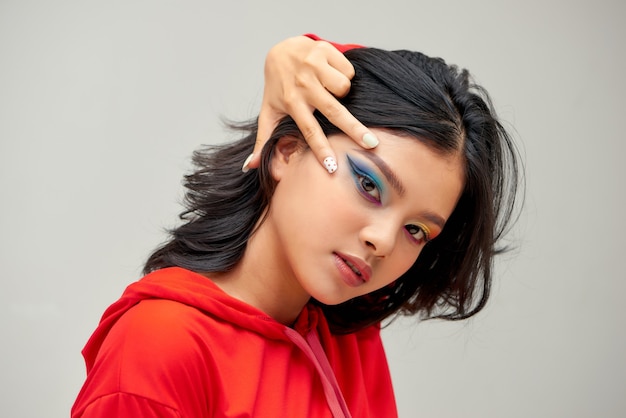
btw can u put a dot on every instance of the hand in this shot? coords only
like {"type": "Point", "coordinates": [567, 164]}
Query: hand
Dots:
{"type": "Point", "coordinates": [302, 75]}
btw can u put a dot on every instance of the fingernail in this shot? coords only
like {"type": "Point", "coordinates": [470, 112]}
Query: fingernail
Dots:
{"type": "Point", "coordinates": [370, 140]}
{"type": "Point", "coordinates": [331, 164]}
{"type": "Point", "coordinates": [245, 168]}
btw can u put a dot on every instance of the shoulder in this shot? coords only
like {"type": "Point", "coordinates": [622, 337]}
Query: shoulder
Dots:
{"type": "Point", "coordinates": [160, 333]}
{"type": "Point", "coordinates": [153, 318]}
{"type": "Point", "coordinates": [156, 355]}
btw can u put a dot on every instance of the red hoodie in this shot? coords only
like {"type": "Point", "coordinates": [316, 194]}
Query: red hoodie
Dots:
{"type": "Point", "coordinates": [341, 47]}
{"type": "Point", "coordinates": [176, 345]}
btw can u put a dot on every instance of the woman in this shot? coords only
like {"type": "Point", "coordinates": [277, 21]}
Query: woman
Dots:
{"type": "Point", "coordinates": [267, 301]}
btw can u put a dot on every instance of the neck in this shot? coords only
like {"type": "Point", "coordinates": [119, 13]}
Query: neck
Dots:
{"type": "Point", "coordinates": [263, 278]}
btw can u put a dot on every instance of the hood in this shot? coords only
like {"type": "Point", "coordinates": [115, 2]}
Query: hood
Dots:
{"type": "Point", "coordinates": [193, 289]}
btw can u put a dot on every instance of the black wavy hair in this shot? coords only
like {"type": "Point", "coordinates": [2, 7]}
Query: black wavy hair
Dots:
{"type": "Point", "coordinates": [412, 95]}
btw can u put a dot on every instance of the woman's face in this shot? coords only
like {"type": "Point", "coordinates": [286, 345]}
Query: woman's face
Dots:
{"type": "Point", "coordinates": [346, 234]}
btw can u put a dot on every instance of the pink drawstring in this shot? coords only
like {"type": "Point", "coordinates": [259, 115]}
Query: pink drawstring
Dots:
{"type": "Point", "coordinates": [315, 352]}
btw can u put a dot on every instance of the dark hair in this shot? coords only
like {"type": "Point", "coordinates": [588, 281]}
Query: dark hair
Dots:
{"type": "Point", "coordinates": [412, 95]}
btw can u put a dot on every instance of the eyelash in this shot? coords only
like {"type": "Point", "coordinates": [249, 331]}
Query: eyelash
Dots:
{"type": "Point", "coordinates": [360, 177]}
{"type": "Point", "coordinates": [420, 228]}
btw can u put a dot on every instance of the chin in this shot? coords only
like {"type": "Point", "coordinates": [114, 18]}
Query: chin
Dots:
{"type": "Point", "coordinates": [332, 299]}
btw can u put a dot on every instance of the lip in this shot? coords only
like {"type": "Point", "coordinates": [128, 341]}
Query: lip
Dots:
{"type": "Point", "coordinates": [350, 277]}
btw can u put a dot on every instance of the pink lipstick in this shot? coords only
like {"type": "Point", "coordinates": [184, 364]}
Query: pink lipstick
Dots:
{"type": "Point", "coordinates": [354, 271]}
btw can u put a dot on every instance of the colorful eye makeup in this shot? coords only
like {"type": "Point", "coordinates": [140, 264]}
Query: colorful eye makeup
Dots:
{"type": "Point", "coordinates": [368, 183]}
{"type": "Point", "coordinates": [419, 233]}
{"type": "Point", "coordinates": [371, 188]}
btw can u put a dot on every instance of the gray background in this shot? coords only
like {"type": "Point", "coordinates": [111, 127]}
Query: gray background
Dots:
{"type": "Point", "coordinates": [101, 104]}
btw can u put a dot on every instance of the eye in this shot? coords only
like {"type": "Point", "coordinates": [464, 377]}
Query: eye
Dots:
{"type": "Point", "coordinates": [419, 233]}
{"type": "Point", "coordinates": [367, 186]}
{"type": "Point", "coordinates": [366, 183]}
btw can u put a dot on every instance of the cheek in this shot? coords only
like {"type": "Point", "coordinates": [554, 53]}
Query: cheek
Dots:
{"type": "Point", "coordinates": [311, 203]}
{"type": "Point", "coordinates": [329, 199]}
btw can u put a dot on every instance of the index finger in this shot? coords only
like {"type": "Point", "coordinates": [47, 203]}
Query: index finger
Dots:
{"type": "Point", "coordinates": [339, 116]}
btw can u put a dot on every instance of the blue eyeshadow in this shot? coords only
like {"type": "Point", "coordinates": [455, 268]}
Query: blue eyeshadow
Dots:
{"type": "Point", "coordinates": [364, 170]}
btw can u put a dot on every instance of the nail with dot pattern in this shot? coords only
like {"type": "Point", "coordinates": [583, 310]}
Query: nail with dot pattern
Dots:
{"type": "Point", "coordinates": [331, 164]}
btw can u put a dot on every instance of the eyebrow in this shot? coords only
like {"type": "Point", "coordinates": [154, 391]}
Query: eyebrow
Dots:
{"type": "Point", "coordinates": [395, 182]}
{"type": "Point", "coordinates": [389, 174]}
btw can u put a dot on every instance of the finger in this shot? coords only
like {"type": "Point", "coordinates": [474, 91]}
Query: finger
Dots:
{"type": "Point", "coordinates": [315, 138]}
{"type": "Point", "coordinates": [339, 116]}
{"type": "Point", "coordinates": [266, 124]}
{"type": "Point", "coordinates": [331, 69]}
{"type": "Point", "coordinates": [334, 81]}
{"type": "Point", "coordinates": [335, 59]}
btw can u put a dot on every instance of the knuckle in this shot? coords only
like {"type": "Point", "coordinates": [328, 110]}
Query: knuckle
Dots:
{"type": "Point", "coordinates": [300, 80]}
{"type": "Point", "coordinates": [311, 62]}
{"type": "Point", "coordinates": [349, 71]}
{"type": "Point", "coordinates": [258, 143]}
{"type": "Point", "coordinates": [309, 133]}
{"type": "Point", "coordinates": [356, 126]}
{"type": "Point", "coordinates": [332, 110]}
{"type": "Point", "coordinates": [290, 100]}
{"type": "Point", "coordinates": [343, 87]}
{"type": "Point", "coordinates": [325, 47]}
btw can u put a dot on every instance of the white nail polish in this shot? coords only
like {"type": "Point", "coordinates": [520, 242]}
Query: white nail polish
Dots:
{"type": "Point", "coordinates": [245, 168]}
{"type": "Point", "coordinates": [370, 140]}
{"type": "Point", "coordinates": [330, 164]}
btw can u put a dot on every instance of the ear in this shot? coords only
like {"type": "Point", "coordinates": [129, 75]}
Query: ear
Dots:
{"type": "Point", "coordinates": [285, 150]}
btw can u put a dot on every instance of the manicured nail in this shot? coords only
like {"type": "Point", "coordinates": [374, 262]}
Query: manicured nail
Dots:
{"type": "Point", "coordinates": [245, 168]}
{"type": "Point", "coordinates": [370, 140]}
{"type": "Point", "coordinates": [331, 164]}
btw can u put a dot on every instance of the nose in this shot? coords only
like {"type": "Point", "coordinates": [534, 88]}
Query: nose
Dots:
{"type": "Point", "coordinates": [380, 237]}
